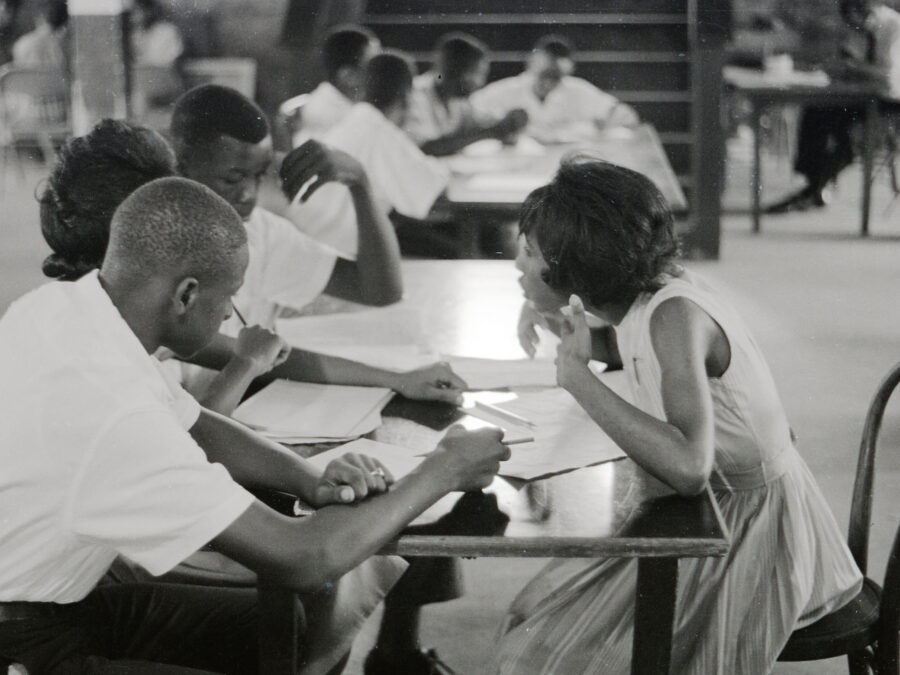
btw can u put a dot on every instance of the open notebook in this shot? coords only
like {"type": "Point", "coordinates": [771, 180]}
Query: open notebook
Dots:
{"type": "Point", "coordinates": [301, 412]}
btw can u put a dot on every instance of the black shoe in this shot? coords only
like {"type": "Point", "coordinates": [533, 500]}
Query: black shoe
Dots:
{"type": "Point", "coordinates": [805, 199]}
{"type": "Point", "coordinates": [420, 662]}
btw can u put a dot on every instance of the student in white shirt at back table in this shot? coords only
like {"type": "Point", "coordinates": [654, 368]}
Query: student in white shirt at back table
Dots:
{"type": "Point", "coordinates": [403, 177]}
{"type": "Point", "coordinates": [222, 140]}
{"type": "Point", "coordinates": [345, 53]}
{"type": "Point", "coordinates": [561, 107]}
{"type": "Point", "coordinates": [441, 118]}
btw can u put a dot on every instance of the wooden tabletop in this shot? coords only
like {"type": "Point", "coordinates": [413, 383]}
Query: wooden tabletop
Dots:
{"type": "Point", "coordinates": [469, 308]}
{"type": "Point", "coordinates": [499, 179]}
{"type": "Point", "coordinates": [800, 87]}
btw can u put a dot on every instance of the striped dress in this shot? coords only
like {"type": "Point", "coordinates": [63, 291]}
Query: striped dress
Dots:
{"type": "Point", "coordinates": [788, 564]}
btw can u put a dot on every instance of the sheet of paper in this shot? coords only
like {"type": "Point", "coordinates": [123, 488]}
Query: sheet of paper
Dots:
{"type": "Point", "coordinates": [400, 461]}
{"type": "Point", "coordinates": [305, 410]}
{"type": "Point", "coordinates": [565, 437]}
{"type": "Point", "coordinates": [500, 373]}
{"type": "Point", "coordinates": [389, 338]}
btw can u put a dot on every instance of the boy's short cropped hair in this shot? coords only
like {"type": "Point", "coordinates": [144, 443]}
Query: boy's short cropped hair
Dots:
{"type": "Point", "coordinates": [605, 232]}
{"type": "Point", "coordinates": [557, 46]}
{"type": "Point", "coordinates": [346, 46]}
{"type": "Point", "coordinates": [204, 113]}
{"type": "Point", "coordinates": [459, 52]}
{"type": "Point", "coordinates": [389, 78]}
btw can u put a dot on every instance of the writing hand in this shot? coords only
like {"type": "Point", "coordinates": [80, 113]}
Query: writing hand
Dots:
{"type": "Point", "coordinates": [471, 458]}
{"type": "Point", "coordinates": [263, 348]}
{"type": "Point", "coordinates": [313, 160]}
{"type": "Point", "coordinates": [351, 477]}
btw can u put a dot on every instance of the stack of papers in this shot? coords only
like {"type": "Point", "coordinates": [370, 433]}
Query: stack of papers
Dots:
{"type": "Point", "coordinates": [301, 412]}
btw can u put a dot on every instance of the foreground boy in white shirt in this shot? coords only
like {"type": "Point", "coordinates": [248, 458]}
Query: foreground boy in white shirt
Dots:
{"type": "Point", "coordinates": [103, 457]}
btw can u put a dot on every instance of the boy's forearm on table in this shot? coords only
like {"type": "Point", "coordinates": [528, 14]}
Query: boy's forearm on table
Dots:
{"type": "Point", "coordinates": [307, 366]}
{"type": "Point", "coordinates": [253, 461]}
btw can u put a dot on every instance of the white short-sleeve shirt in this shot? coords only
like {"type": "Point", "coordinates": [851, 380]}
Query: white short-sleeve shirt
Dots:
{"type": "Point", "coordinates": [402, 178]}
{"type": "Point", "coordinates": [97, 460]}
{"type": "Point", "coordinates": [325, 107]}
{"type": "Point", "coordinates": [430, 117]}
{"type": "Point", "coordinates": [569, 112]}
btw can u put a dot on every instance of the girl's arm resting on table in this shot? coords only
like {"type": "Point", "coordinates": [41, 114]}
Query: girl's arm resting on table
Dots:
{"type": "Point", "coordinates": [305, 553]}
{"type": "Point", "coordinates": [678, 451]}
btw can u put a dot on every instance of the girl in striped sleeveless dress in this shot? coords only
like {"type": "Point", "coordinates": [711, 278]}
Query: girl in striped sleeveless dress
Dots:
{"type": "Point", "coordinates": [706, 412]}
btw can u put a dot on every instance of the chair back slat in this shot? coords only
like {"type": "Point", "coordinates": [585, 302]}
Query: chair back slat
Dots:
{"type": "Point", "coordinates": [861, 506]}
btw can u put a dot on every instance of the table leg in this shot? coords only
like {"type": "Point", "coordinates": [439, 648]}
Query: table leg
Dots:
{"type": "Point", "coordinates": [756, 170]}
{"type": "Point", "coordinates": [654, 615]}
{"type": "Point", "coordinates": [280, 624]}
{"type": "Point", "coordinates": [869, 141]}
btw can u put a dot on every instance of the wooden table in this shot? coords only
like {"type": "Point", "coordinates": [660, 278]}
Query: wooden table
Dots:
{"type": "Point", "coordinates": [469, 307]}
{"type": "Point", "coordinates": [490, 187]}
{"type": "Point", "coordinates": [763, 91]}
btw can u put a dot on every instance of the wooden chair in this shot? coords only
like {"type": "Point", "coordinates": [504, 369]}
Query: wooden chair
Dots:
{"type": "Point", "coordinates": [866, 629]}
{"type": "Point", "coordinates": [34, 111]}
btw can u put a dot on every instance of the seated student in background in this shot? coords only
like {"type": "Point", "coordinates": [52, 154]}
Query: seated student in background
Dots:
{"type": "Point", "coordinates": [706, 415]}
{"type": "Point", "coordinates": [345, 53]}
{"type": "Point", "coordinates": [103, 457]}
{"type": "Point", "coordinates": [222, 140]}
{"type": "Point", "coordinates": [441, 119]}
{"type": "Point", "coordinates": [93, 174]}
{"type": "Point", "coordinates": [403, 177]}
{"type": "Point", "coordinates": [824, 138]}
{"type": "Point", "coordinates": [560, 107]}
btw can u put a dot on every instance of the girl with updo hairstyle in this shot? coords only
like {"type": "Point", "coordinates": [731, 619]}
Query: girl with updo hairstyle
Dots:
{"type": "Point", "coordinates": [703, 415]}
{"type": "Point", "coordinates": [92, 176]}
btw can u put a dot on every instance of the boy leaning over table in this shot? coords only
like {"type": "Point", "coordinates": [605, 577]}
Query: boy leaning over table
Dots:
{"type": "Point", "coordinates": [103, 457]}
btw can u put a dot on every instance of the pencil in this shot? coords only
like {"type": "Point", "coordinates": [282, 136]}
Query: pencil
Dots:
{"type": "Point", "coordinates": [505, 414]}
{"type": "Point", "coordinates": [238, 314]}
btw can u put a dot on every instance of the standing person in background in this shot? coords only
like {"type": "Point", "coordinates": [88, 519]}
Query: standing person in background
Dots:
{"type": "Point", "coordinates": [345, 53]}
{"type": "Point", "coordinates": [561, 107]}
{"type": "Point", "coordinates": [441, 119]}
{"type": "Point", "coordinates": [47, 46]}
{"type": "Point", "coordinates": [824, 141]}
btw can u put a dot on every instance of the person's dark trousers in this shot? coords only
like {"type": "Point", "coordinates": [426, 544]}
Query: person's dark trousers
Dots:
{"type": "Point", "coordinates": [138, 629]}
{"type": "Point", "coordinates": [824, 143]}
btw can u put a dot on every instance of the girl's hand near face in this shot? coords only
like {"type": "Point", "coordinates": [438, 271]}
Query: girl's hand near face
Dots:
{"type": "Point", "coordinates": [574, 351]}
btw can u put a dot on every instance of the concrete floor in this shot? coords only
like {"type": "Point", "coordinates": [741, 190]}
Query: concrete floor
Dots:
{"type": "Point", "coordinates": [823, 304]}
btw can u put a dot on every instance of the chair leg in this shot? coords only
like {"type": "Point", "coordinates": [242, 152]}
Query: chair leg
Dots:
{"type": "Point", "coordinates": [860, 663]}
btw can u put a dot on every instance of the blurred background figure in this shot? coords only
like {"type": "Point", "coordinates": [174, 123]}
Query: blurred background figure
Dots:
{"type": "Point", "coordinates": [345, 53]}
{"type": "Point", "coordinates": [441, 118]}
{"type": "Point", "coordinates": [47, 46]}
{"type": "Point", "coordinates": [824, 142]}
{"type": "Point", "coordinates": [560, 107]}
